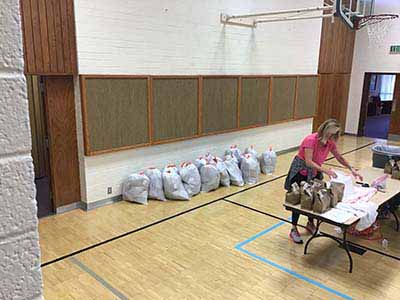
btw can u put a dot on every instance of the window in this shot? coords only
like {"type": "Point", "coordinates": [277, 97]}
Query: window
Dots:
{"type": "Point", "coordinates": [387, 87]}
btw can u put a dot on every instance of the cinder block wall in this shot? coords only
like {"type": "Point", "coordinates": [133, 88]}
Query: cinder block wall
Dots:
{"type": "Point", "coordinates": [20, 275]}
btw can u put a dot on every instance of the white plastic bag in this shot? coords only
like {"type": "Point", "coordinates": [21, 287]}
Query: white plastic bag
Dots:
{"type": "Point", "coordinates": [210, 178]}
{"type": "Point", "coordinates": [200, 162]}
{"type": "Point", "coordinates": [252, 151]}
{"type": "Point", "coordinates": [234, 172]}
{"type": "Point", "coordinates": [191, 178]}
{"type": "Point", "coordinates": [250, 169]}
{"type": "Point", "coordinates": [173, 186]}
{"type": "Point", "coordinates": [235, 151]}
{"type": "Point", "coordinates": [156, 190]}
{"type": "Point", "coordinates": [135, 188]}
{"type": "Point", "coordinates": [268, 161]}
{"type": "Point", "coordinates": [223, 172]}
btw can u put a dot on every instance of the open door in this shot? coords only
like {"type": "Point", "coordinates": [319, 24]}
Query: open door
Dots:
{"type": "Point", "coordinates": [394, 128]}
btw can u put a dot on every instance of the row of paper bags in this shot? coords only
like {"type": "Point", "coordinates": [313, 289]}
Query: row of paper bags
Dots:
{"type": "Point", "coordinates": [206, 174]}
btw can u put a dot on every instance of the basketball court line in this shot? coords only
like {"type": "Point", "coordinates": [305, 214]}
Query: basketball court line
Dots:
{"type": "Point", "coordinates": [179, 214]}
{"type": "Point", "coordinates": [255, 256]}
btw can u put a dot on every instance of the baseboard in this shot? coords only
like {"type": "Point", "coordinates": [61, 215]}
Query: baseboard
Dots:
{"type": "Point", "coordinates": [351, 134]}
{"type": "Point", "coordinates": [394, 137]}
{"type": "Point", "coordinates": [97, 204]}
{"type": "Point", "coordinates": [287, 150]}
{"type": "Point", "coordinates": [69, 207]}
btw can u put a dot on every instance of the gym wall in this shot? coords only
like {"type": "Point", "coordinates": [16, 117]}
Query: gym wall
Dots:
{"type": "Point", "coordinates": [186, 39]}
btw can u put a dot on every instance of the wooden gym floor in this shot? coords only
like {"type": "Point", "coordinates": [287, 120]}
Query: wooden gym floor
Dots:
{"type": "Point", "coordinates": [229, 244]}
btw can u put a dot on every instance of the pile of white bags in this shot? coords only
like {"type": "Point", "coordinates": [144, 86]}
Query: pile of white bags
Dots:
{"type": "Point", "coordinates": [173, 186]}
{"type": "Point", "coordinates": [210, 177]}
{"type": "Point", "coordinates": [206, 174]}
{"type": "Point", "coordinates": [250, 169]}
{"type": "Point", "coordinates": [191, 178]}
{"type": "Point", "coordinates": [156, 189]}
{"type": "Point", "coordinates": [135, 188]}
{"type": "Point", "coordinates": [268, 161]}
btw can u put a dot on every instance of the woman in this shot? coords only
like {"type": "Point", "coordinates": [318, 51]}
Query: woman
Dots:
{"type": "Point", "coordinates": [307, 165]}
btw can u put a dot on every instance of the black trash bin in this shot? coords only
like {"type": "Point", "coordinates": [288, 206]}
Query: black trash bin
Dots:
{"type": "Point", "coordinates": [382, 153]}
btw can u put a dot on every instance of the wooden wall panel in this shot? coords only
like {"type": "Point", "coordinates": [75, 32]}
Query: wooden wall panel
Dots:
{"type": "Point", "coordinates": [38, 127]}
{"type": "Point", "coordinates": [49, 37]}
{"type": "Point", "coordinates": [175, 108]}
{"type": "Point", "coordinates": [219, 104]}
{"type": "Point", "coordinates": [117, 113]}
{"type": "Point", "coordinates": [307, 89]}
{"type": "Point", "coordinates": [254, 101]}
{"type": "Point", "coordinates": [60, 108]}
{"type": "Point", "coordinates": [337, 46]}
{"type": "Point", "coordinates": [283, 97]}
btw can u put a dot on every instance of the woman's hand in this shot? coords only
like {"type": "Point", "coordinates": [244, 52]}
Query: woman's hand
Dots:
{"type": "Point", "coordinates": [330, 173]}
{"type": "Point", "coordinates": [356, 175]}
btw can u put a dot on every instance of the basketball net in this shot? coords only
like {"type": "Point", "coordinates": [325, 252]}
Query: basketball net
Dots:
{"type": "Point", "coordinates": [377, 26]}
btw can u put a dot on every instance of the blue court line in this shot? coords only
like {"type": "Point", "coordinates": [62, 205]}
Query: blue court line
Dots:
{"type": "Point", "coordinates": [282, 268]}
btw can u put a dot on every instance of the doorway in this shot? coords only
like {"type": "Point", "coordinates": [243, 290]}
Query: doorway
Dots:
{"type": "Point", "coordinates": [40, 145]}
{"type": "Point", "coordinates": [377, 103]}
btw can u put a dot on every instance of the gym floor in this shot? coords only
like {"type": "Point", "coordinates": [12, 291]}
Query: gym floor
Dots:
{"type": "Point", "coordinates": [229, 244]}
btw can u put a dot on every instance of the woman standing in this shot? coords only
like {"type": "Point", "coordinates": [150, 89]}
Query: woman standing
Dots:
{"type": "Point", "coordinates": [307, 165]}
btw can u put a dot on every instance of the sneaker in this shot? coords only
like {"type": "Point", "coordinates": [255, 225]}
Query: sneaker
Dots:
{"type": "Point", "coordinates": [311, 227]}
{"type": "Point", "coordinates": [295, 236]}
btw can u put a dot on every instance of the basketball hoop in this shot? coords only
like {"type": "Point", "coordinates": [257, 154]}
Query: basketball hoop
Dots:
{"type": "Point", "coordinates": [378, 26]}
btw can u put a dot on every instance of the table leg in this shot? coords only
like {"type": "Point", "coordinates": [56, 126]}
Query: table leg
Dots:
{"type": "Point", "coordinates": [346, 248]}
{"type": "Point", "coordinates": [393, 212]}
{"type": "Point", "coordinates": [313, 236]}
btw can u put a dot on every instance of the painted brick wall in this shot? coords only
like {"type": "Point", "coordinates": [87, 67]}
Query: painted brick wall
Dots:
{"type": "Point", "coordinates": [186, 37]}
{"type": "Point", "coordinates": [20, 275]}
{"type": "Point", "coordinates": [372, 58]}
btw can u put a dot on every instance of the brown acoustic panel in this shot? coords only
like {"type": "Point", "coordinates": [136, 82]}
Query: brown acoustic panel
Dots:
{"type": "Point", "coordinates": [282, 102]}
{"type": "Point", "coordinates": [306, 96]}
{"type": "Point", "coordinates": [219, 104]}
{"type": "Point", "coordinates": [117, 112]}
{"type": "Point", "coordinates": [254, 101]}
{"type": "Point", "coordinates": [175, 108]}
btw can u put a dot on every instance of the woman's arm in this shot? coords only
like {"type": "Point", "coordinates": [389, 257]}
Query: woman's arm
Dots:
{"type": "Point", "coordinates": [308, 154]}
{"type": "Point", "coordinates": [346, 164]}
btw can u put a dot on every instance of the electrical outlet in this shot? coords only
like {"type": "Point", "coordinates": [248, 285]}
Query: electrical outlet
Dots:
{"type": "Point", "coordinates": [109, 190]}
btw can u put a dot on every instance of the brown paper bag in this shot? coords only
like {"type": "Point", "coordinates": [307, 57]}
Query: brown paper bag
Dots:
{"type": "Point", "coordinates": [307, 198]}
{"type": "Point", "coordinates": [396, 170]}
{"type": "Point", "coordinates": [322, 202]}
{"type": "Point", "coordinates": [337, 191]}
{"type": "Point", "coordinates": [389, 166]}
{"type": "Point", "coordinates": [293, 197]}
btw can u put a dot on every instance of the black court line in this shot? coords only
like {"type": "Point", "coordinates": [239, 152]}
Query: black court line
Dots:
{"type": "Point", "coordinates": [176, 215]}
{"type": "Point", "coordinates": [154, 223]}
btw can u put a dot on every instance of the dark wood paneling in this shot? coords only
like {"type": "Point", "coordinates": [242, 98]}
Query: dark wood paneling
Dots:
{"type": "Point", "coordinates": [220, 97]}
{"type": "Point", "coordinates": [364, 104]}
{"type": "Point", "coordinates": [394, 127]}
{"type": "Point", "coordinates": [337, 45]}
{"type": "Point", "coordinates": [49, 37]}
{"type": "Point", "coordinates": [254, 101]}
{"type": "Point", "coordinates": [306, 96]}
{"type": "Point", "coordinates": [283, 96]}
{"type": "Point", "coordinates": [332, 99]}
{"type": "Point", "coordinates": [117, 112]}
{"type": "Point", "coordinates": [175, 108]}
{"type": "Point", "coordinates": [60, 106]}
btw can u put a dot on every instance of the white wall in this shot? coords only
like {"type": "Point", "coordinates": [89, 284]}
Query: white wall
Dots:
{"type": "Point", "coordinates": [20, 275]}
{"type": "Point", "coordinates": [112, 169]}
{"type": "Point", "coordinates": [372, 59]}
{"type": "Point", "coordinates": [185, 37]}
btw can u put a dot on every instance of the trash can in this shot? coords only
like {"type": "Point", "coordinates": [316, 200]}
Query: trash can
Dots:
{"type": "Point", "coordinates": [382, 153]}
